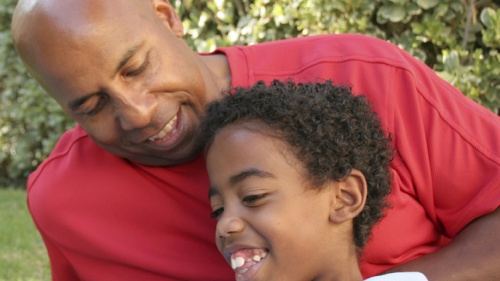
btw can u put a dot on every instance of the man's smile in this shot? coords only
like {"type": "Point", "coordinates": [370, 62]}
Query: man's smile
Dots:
{"type": "Point", "coordinates": [168, 130]}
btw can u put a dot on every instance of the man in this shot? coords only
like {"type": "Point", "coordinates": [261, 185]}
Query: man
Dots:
{"type": "Point", "coordinates": [123, 195]}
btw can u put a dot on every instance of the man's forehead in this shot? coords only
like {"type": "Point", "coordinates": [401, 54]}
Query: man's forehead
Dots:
{"type": "Point", "coordinates": [76, 13]}
{"type": "Point", "coordinates": [56, 7]}
{"type": "Point", "coordinates": [35, 18]}
{"type": "Point", "coordinates": [26, 6]}
{"type": "Point", "coordinates": [63, 23]}
{"type": "Point", "coordinates": [50, 40]}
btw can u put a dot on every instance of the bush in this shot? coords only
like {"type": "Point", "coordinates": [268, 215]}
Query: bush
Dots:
{"type": "Point", "coordinates": [30, 122]}
{"type": "Point", "coordinates": [459, 39]}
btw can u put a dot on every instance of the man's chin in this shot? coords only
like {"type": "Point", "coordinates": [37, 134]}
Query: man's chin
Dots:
{"type": "Point", "coordinates": [167, 159]}
{"type": "Point", "coordinates": [162, 161]}
{"type": "Point", "coordinates": [160, 158]}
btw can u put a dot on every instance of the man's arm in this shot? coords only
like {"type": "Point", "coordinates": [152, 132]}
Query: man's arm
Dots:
{"type": "Point", "coordinates": [474, 254]}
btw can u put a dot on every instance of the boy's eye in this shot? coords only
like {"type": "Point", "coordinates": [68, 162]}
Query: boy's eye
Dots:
{"type": "Point", "coordinates": [253, 199]}
{"type": "Point", "coordinates": [217, 213]}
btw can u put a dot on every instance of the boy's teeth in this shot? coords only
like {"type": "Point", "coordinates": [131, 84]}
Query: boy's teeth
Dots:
{"type": "Point", "coordinates": [237, 262]}
{"type": "Point", "coordinates": [244, 259]}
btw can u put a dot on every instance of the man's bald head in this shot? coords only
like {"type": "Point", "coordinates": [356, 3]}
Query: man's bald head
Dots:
{"type": "Point", "coordinates": [65, 14]}
{"type": "Point", "coordinates": [38, 24]}
{"type": "Point", "coordinates": [42, 30]}
{"type": "Point", "coordinates": [121, 69]}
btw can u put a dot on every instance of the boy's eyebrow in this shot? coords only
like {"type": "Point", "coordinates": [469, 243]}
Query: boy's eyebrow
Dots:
{"type": "Point", "coordinates": [249, 173]}
{"type": "Point", "coordinates": [241, 177]}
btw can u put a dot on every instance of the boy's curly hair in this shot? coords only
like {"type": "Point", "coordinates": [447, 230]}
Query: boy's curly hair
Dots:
{"type": "Point", "coordinates": [326, 128]}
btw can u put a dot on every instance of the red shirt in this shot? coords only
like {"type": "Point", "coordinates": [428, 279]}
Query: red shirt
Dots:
{"type": "Point", "coordinates": [105, 218]}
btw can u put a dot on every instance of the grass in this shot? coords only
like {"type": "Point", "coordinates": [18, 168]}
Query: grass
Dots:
{"type": "Point", "coordinates": [22, 254]}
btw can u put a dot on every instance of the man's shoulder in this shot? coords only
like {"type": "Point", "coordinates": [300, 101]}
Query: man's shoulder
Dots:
{"type": "Point", "coordinates": [324, 56]}
{"type": "Point", "coordinates": [66, 177]}
{"type": "Point", "coordinates": [69, 140]}
{"type": "Point", "coordinates": [347, 39]}
{"type": "Point", "coordinates": [358, 40]}
{"type": "Point", "coordinates": [73, 151]}
{"type": "Point", "coordinates": [337, 47]}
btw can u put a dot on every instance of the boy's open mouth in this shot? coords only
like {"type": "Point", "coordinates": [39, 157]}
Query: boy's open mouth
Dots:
{"type": "Point", "coordinates": [242, 260]}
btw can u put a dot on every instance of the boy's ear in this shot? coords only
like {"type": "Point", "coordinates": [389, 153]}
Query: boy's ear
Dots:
{"type": "Point", "coordinates": [168, 15]}
{"type": "Point", "coordinates": [348, 197]}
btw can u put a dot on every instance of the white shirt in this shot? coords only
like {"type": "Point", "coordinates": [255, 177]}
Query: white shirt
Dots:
{"type": "Point", "coordinates": [399, 276]}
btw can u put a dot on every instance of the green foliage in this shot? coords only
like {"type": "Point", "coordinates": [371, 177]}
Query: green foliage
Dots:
{"type": "Point", "coordinates": [459, 39]}
{"type": "Point", "coordinates": [30, 122]}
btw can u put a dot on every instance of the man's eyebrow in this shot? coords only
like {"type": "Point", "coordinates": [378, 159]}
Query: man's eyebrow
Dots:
{"type": "Point", "coordinates": [126, 57]}
{"type": "Point", "coordinates": [241, 177]}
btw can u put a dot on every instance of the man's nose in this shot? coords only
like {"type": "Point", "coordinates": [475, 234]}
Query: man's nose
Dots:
{"type": "Point", "coordinates": [229, 224]}
{"type": "Point", "coordinates": [134, 110]}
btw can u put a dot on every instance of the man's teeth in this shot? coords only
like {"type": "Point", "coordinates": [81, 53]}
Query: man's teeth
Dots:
{"type": "Point", "coordinates": [167, 129]}
{"type": "Point", "coordinates": [240, 261]}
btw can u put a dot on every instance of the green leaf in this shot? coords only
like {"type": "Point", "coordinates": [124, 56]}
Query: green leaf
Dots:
{"type": "Point", "coordinates": [451, 61]}
{"type": "Point", "coordinates": [394, 13]}
{"type": "Point", "coordinates": [446, 76]}
{"type": "Point", "coordinates": [413, 9]}
{"type": "Point", "coordinates": [427, 4]}
{"type": "Point", "coordinates": [488, 16]}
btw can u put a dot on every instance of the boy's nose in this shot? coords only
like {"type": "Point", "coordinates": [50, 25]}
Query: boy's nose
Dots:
{"type": "Point", "coordinates": [229, 224]}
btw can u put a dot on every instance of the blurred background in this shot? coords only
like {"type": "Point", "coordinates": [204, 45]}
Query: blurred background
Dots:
{"type": "Point", "coordinates": [459, 39]}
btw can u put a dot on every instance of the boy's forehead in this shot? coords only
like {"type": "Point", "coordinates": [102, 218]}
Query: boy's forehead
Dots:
{"type": "Point", "coordinates": [256, 137]}
{"type": "Point", "coordinates": [239, 132]}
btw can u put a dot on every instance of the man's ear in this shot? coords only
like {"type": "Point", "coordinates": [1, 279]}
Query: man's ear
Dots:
{"type": "Point", "coordinates": [167, 14]}
{"type": "Point", "coordinates": [348, 197]}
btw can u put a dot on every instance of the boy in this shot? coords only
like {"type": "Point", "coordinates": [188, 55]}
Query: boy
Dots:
{"type": "Point", "coordinates": [296, 195]}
